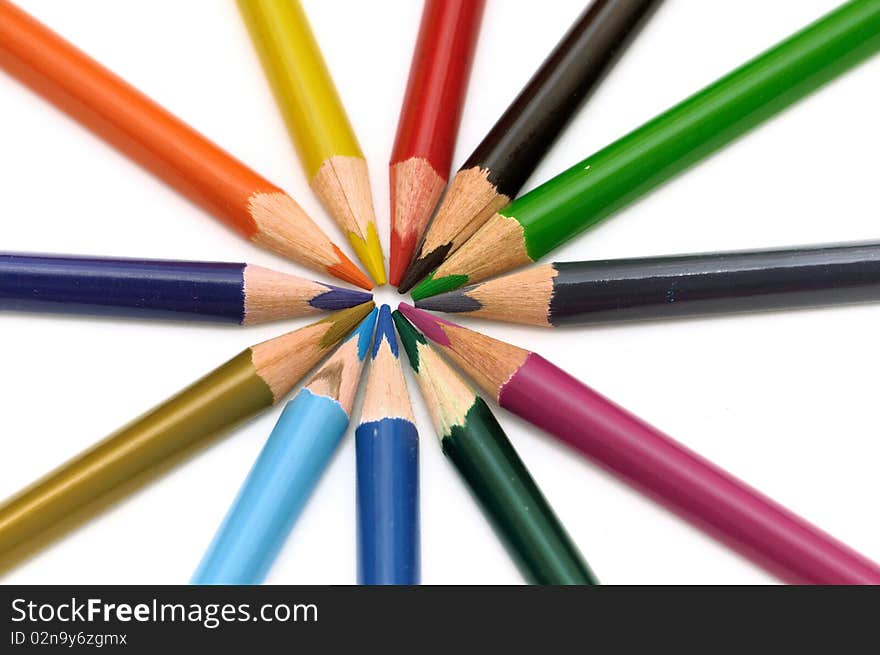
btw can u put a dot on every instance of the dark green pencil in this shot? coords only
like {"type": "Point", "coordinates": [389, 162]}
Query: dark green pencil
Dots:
{"type": "Point", "coordinates": [478, 448]}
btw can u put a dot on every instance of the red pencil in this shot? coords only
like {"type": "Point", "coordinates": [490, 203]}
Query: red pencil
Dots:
{"type": "Point", "coordinates": [422, 156]}
{"type": "Point", "coordinates": [697, 490]}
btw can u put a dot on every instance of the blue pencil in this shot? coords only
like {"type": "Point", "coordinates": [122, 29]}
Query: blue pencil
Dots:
{"type": "Point", "coordinates": [288, 468]}
{"type": "Point", "coordinates": [154, 288]}
{"type": "Point", "coordinates": [387, 470]}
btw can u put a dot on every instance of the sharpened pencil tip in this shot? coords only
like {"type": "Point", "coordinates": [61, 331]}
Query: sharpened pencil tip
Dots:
{"type": "Point", "coordinates": [364, 334]}
{"type": "Point", "coordinates": [369, 251]}
{"type": "Point", "coordinates": [346, 270]}
{"type": "Point", "coordinates": [422, 266]}
{"type": "Point", "coordinates": [343, 322]}
{"type": "Point", "coordinates": [385, 332]}
{"type": "Point", "coordinates": [429, 324]}
{"type": "Point", "coordinates": [336, 298]}
{"type": "Point", "coordinates": [451, 302]}
{"type": "Point", "coordinates": [410, 338]}
{"type": "Point", "coordinates": [401, 254]}
{"type": "Point", "coordinates": [432, 287]}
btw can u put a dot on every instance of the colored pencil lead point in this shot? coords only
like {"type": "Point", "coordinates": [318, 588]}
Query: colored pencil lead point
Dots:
{"type": "Point", "coordinates": [344, 320]}
{"type": "Point", "coordinates": [431, 286]}
{"type": "Point", "coordinates": [339, 298]}
{"type": "Point", "coordinates": [452, 302]}
{"type": "Point", "coordinates": [346, 270]}
{"type": "Point", "coordinates": [384, 332]}
{"type": "Point", "coordinates": [364, 333]}
{"type": "Point", "coordinates": [421, 268]}
{"type": "Point", "coordinates": [369, 251]}
{"type": "Point", "coordinates": [427, 323]}
{"type": "Point", "coordinates": [409, 337]}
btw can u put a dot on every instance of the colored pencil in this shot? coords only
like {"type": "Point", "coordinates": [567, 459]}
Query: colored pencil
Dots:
{"type": "Point", "coordinates": [495, 172]}
{"type": "Point", "coordinates": [316, 119]}
{"type": "Point", "coordinates": [255, 379]}
{"type": "Point", "coordinates": [387, 445]}
{"type": "Point", "coordinates": [152, 288]}
{"type": "Point", "coordinates": [566, 293]}
{"type": "Point", "coordinates": [428, 126]}
{"type": "Point", "coordinates": [165, 145]}
{"type": "Point", "coordinates": [287, 469]}
{"type": "Point", "coordinates": [476, 445]}
{"type": "Point", "coordinates": [713, 500]}
{"type": "Point", "coordinates": [548, 216]}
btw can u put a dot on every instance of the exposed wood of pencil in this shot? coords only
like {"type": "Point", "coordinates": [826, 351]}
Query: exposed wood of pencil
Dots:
{"type": "Point", "coordinates": [497, 247]}
{"type": "Point", "coordinates": [522, 297]}
{"type": "Point", "coordinates": [487, 361]}
{"type": "Point", "coordinates": [270, 295]}
{"type": "Point", "coordinates": [447, 396]}
{"type": "Point", "coordinates": [253, 380]}
{"type": "Point", "coordinates": [386, 395]}
{"type": "Point", "coordinates": [415, 190]}
{"type": "Point", "coordinates": [340, 376]}
{"type": "Point", "coordinates": [470, 200]}
{"type": "Point", "coordinates": [283, 361]}
{"type": "Point", "coordinates": [343, 185]}
{"type": "Point", "coordinates": [163, 144]}
{"type": "Point", "coordinates": [283, 227]}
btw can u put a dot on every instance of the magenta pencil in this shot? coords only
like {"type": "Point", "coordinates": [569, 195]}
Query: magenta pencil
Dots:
{"type": "Point", "coordinates": [715, 501]}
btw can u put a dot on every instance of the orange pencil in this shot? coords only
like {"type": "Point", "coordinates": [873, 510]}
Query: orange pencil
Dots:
{"type": "Point", "coordinates": [165, 145]}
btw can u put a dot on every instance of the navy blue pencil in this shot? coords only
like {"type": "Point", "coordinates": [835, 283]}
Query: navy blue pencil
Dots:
{"type": "Point", "coordinates": [144, 288]}
{"type": "Point", "coordinates": [387, 445]}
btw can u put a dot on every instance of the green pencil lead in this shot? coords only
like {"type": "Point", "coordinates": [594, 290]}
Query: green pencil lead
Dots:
{"type": "Point", "coordinates": [410, 338]}
{"type": "Point", "coordinates": [431, 287]}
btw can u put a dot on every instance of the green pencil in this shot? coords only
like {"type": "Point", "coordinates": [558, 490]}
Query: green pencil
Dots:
{"type": "Point", "coordinates": [543, 219]}
{"type": "Point", "coordinates": [478, 448]}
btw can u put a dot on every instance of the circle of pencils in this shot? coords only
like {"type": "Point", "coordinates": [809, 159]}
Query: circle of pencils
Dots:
{"type": "Point", "coordinates": [250, 382]}
{"type": "Point", "coordinates": [497, 169]}
{"type": "Point", "coordinates": [287, 469]}
{"type": "Point", "coordinates": [480, 230]}
{"type": "Point", "coordinates": [567, 293]}
{"type": "Point", "coordinates": [476, 445]}
{"type": "Point", "coordinates": [642, 456]}
{"type": "Point", "coordinates": [560, 209]}
{"type": "Point", "coordinates": [387, 447]}
{"type": "Point", "coordinates": [317, 121]}
{"type": "Point", "coordinates": [428, 126]}
{"type": "Point", "coordinates": [149, 288]}
{"type": "Point", "coordinates": [165, 145]}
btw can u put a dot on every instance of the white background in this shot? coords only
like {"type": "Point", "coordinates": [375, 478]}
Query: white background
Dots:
{"type": "Point", "coordinates": [786, 401]}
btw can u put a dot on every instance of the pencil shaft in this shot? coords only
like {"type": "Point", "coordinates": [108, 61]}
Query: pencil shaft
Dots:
{"type": "Point", "coordinates": [628, 168]}
{"type": "Point", "coordinates": [666, 287]}
{"type": "Point", "coordinates": [122, 287]}
{"type": "Point", "coordinates": [538, 543]}
{"type": "Point", "coordinates": [696, 489]}
{"type": "Point", "coordinates": [530, 125]}
{"type": "Point", "coordinates": [128, 119]}
{"type": "Point", "coordinates": [275, 491]}
{"type": "Point", "coordinates": [317, 122]}
{"type": "Point", "coordinates": [438, 80]}
{"type": "Point", "coordinates": [226, 396]}
{"type": "Point", "coordinates": [302, 84]}
{"type": "Point", "coordinates": [388, 502]}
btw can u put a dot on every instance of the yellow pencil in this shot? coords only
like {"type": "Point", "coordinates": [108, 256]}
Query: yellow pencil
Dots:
{"type": "Point", "coordinates": [316, 119]}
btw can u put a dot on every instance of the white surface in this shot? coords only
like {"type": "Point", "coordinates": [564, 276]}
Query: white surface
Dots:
{"type": "Point", "coordinates": [787, 401]}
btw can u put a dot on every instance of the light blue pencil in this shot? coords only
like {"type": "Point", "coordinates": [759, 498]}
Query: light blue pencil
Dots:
{"type": "Point", "coordinates": [288, 468]}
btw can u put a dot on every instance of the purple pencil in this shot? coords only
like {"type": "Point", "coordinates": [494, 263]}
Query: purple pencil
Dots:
{"type": "Point", "coordinates": [712, 499]}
